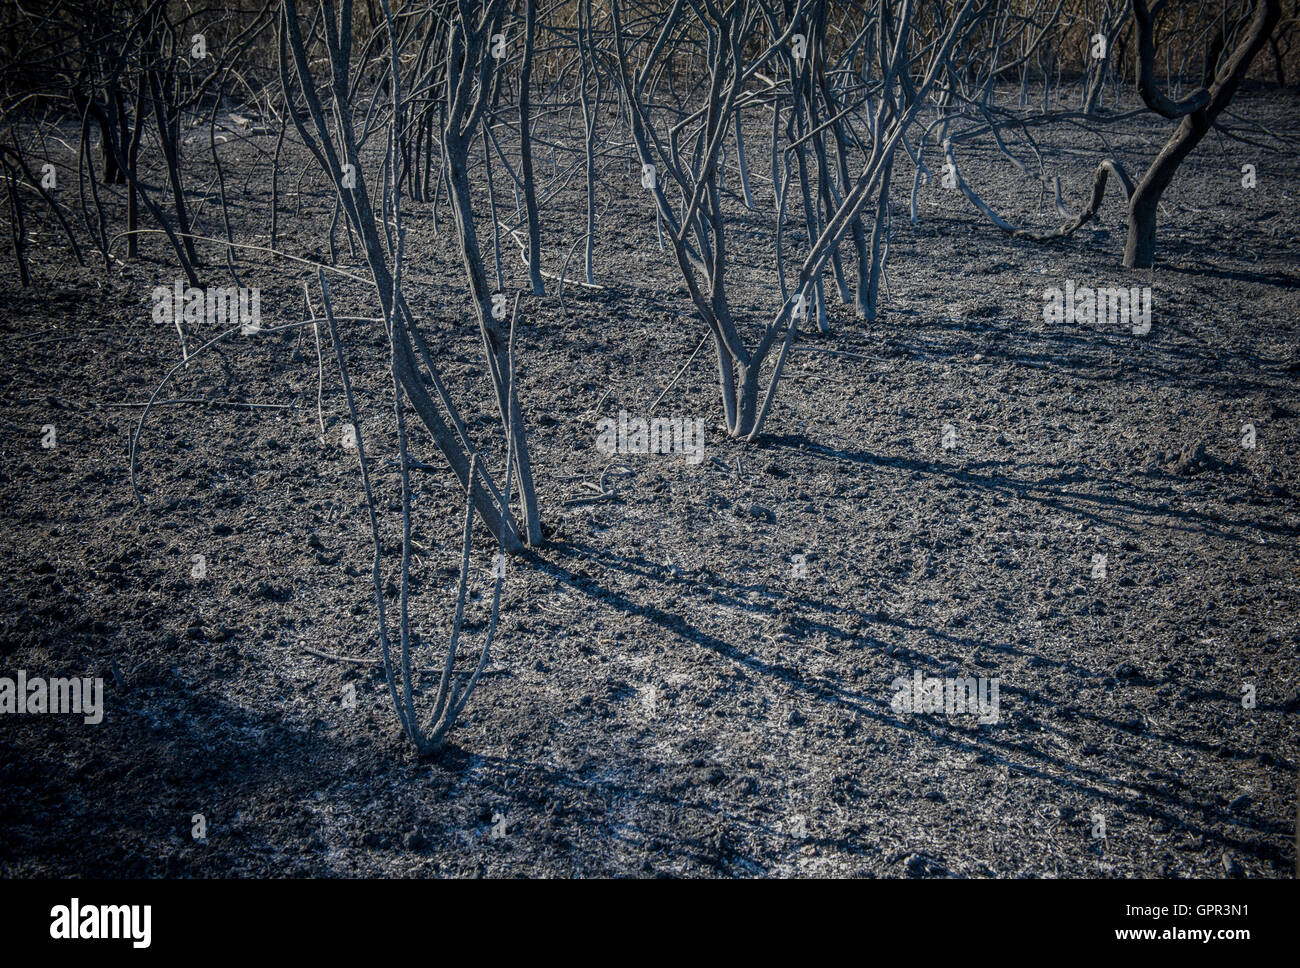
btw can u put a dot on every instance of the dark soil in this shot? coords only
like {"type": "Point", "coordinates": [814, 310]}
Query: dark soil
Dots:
{"type": "Point", "coordinates": [665, 695]}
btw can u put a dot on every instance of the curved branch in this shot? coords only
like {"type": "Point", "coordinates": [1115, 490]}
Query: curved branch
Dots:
{"type": "Point", "coordinates": [1155, 99]}
{"type": "Point", "coordinates": [1108, 167]}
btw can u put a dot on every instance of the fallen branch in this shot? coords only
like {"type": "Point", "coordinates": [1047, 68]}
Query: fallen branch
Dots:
{"type": "Point", "coordinates": [1107, 168]}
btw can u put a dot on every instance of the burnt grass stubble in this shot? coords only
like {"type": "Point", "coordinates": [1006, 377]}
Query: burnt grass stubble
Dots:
{"type": "Point", "coordinates": [665, 697]}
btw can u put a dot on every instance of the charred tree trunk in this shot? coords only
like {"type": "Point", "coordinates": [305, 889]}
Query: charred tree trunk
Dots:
{"type": "Point", "coordinates": [526, 154]}
{"type": "Point", "coordinates": [1198, 114]}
